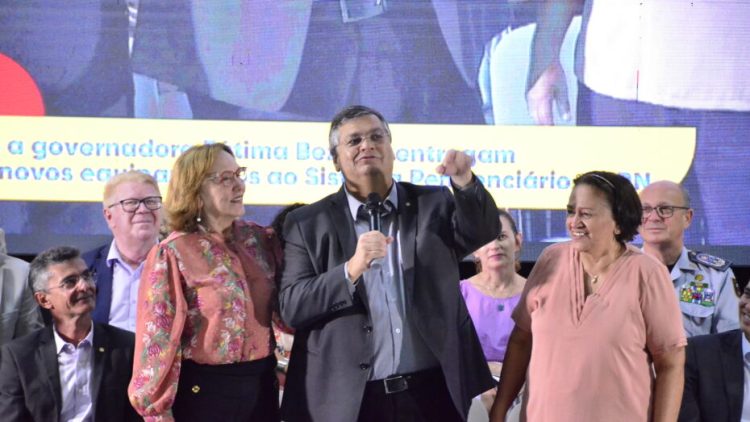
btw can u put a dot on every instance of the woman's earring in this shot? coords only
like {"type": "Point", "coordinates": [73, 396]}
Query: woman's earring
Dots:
{"type": "Point", "coordinates": [198, 219]}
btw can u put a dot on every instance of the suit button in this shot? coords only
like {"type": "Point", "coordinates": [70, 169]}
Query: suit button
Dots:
{"type": "Point", "coordinates": [364, 366]}
{"type": "Point", "coordinates": [368, 328]}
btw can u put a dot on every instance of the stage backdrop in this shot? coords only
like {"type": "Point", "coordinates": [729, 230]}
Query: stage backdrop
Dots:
{"type": "Point", "coordinates": [91, 88]}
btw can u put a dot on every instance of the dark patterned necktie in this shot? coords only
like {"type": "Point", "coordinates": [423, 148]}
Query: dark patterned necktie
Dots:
{"type": "Point", "coordinates": [386, 210]}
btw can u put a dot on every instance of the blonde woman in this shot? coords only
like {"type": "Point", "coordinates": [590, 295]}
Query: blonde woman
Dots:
{"type": "Point", "coordinates": [204, 344]}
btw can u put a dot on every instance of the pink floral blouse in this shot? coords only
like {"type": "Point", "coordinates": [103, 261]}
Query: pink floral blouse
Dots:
{"type": "Point", "coordinates": [205, 299]}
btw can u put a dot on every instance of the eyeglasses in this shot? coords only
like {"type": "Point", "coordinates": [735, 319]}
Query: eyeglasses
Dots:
{"type": "Point", "coordinates": [377, 137]}
{"type": "Point", "coordinates": [663, 211]}
{"type": "Point", "coordinates": [227, 178]}
{"type": "Point", "coordinates": [69, 283]}
{"type": "Point", "coordinates": [131, 204]}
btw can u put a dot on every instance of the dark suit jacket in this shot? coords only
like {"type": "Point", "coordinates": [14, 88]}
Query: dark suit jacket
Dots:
{"type": "Point", "coordinates": [714, 378]}
{"type": "Point", "coordinates": [96, 260]}
{"type": "Point", "coordinates": [30, 379]}
{"type": "Point", "coordinates": [333, 348]}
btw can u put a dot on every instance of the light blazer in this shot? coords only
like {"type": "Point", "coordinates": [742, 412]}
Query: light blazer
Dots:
{"type": "Point", "coordinates": [96, 260]}
{"type": "Point", "coordinates": [714, 378]}
{"type": "Point", "coordinates": [30, 378]}
{"type": "Point", "coordinates": [19, 313]}
{"type": "Point", "coordinates": [333, 348]}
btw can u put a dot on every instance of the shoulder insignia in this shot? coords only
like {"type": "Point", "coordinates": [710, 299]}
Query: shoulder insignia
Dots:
{"type": "Point", "coordinates": [711, 261]}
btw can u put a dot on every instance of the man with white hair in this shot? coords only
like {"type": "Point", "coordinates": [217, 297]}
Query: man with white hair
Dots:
{"type": "Point", "coordinates": [132, 208]}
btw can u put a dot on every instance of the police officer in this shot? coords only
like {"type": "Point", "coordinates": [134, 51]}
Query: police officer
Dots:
{"type": "Point", "coordinates": [704, 283]}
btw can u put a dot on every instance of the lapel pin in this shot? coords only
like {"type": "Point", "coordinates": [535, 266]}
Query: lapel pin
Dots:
{"type": "Point", "coordinates": [101, 350]}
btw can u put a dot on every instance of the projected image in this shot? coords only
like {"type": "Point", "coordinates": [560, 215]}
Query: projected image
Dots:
{"type": "Point", "coordinates": [654, 91]}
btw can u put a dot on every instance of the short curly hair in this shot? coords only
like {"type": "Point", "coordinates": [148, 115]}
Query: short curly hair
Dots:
{"type": "Point", "coordinates": [622, 198]}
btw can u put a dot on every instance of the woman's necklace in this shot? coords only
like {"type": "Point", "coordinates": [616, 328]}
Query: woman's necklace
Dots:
{"type": "Point", "coordinates": [593, 284]}
{"type": "Point", "coordinates": [501, 292]}
{"type": "Point", "coordinates": [594, 279]}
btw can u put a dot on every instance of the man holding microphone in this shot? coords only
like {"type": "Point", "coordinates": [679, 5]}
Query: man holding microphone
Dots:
{"type": "Point", "coordinates": [382, 333]}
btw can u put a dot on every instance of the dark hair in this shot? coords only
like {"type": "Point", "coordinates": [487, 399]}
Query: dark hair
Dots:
{"type": "Point", "coordinates": [622, 199]}
{"type": "Point", "coordinates": [349, 113]}
{"type": "Point", "coordinates": [278, 222]}
{"type": "Point", "coordinates": [513, 228]}
{"type": "Point", "coordinates": [503, 213]}
{"type": "Point", "coordinates": [38, 269]}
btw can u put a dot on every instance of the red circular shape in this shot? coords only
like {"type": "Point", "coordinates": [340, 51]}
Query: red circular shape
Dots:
{"type": "Point", "coordinates": [19, 95]}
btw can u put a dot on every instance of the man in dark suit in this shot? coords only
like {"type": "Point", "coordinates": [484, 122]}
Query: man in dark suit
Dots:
{"type": "Point", "coordinates": [75, 368]}
{"type": "Point", "coordinates": [132, 209]}
{"type": "Point", "coordinates": [716, 369]}
{"type": "Point", "coordinates": [382, 332]}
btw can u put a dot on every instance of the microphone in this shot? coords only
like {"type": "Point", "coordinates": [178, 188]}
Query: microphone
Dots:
{"type": "Point", "coordinates": [372, 206]}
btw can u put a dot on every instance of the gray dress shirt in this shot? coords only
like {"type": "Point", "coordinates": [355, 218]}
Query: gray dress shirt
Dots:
{"type": "Point", "coordinates": [399, 349]}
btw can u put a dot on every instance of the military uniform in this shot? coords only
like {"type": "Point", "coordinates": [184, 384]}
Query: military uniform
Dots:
{"type": "Point", "coordinates": [705, 289]}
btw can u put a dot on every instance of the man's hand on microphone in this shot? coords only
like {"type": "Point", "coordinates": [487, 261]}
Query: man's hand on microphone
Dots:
{"type": "Point", "coordinates": [370, 246]}
{"type": "Point", "coordinates": [457, 165]}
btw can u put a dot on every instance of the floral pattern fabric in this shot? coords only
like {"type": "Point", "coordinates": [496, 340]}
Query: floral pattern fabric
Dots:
{"type": "Point", "coordinates": [206, 299]}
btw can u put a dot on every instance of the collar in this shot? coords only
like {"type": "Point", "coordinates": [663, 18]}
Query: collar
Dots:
{"type": "Point", "coordinates": [683, 262]}
{"type": "Point", "coordinates": [115, 256]}
{"type": "Point", "coordinates": [355, 203]}
{"type": "Point", "coordinates": [60, 343]}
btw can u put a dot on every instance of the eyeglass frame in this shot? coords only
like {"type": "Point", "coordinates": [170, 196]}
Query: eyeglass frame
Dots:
{"type": "Point", "coordinates": [138, 204]}
{"type": "Point", "coordinates": [376, 137]}
{"type": "Point", "coordinates": [660, 211]}
{"type": "Point", "coordinates": [88, 277]}
{"type": "Point", "coordinates": [225, 179]}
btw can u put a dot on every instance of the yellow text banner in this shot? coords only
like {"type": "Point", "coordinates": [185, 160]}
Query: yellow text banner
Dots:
{"type": "Point", "coordinates": [70, 159]}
